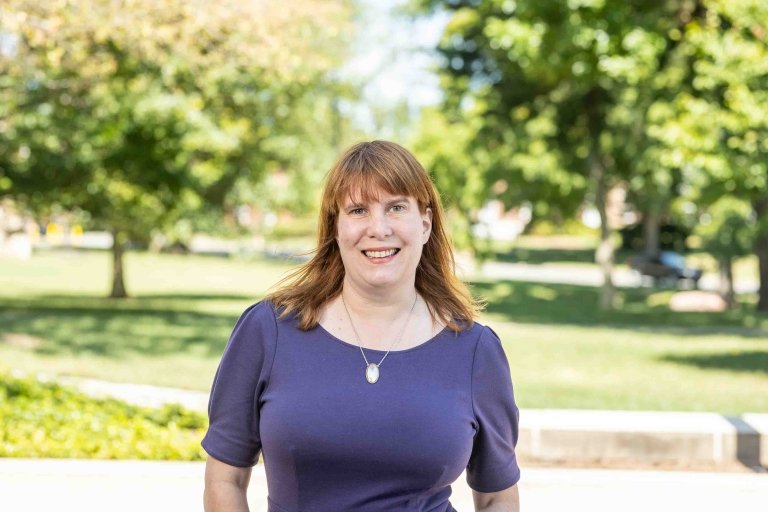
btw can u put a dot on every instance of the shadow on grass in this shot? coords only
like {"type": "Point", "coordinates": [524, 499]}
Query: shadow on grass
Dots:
{"type": "Point", "coordinates": [748, 362]}
{"type": "Point", "coordinates": [177, 324]}
{"type": "Point", "coordinates": [642, 309]}
{"type": "Point", "coordinates": [152, 325]}
{"type": "Point", "coordinates": [148, 300]}
{"type": "Point", "coordinates": [537, 256]}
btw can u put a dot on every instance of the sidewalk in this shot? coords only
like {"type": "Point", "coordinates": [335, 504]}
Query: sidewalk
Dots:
{"type": "Point", "coordinates": [96, 486]}
{"type": "Point", "coordinates": [559, 273]}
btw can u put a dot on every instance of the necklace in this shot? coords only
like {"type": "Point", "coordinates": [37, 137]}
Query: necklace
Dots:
{"type": "Point", "coordinates": [372, 369]}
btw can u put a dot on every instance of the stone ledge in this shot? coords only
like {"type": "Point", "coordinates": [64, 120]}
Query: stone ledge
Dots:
{"type": "Point", "coordinates": [652, 438]}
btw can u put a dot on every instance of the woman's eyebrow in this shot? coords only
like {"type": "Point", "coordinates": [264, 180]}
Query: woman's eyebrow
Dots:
{"type": "Point", "coordinates": [357, 203]}
{"type": "Point", "coordinates": [398, 199]}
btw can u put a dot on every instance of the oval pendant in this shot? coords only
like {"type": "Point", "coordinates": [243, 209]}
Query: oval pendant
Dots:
{"type": "Point", "coordinates": [372, 373]}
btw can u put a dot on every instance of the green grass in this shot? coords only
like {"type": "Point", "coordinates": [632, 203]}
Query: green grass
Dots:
{"type": "Point", "coordinates": [563, 351]}
{"type": "Point", "coordinates": [552, 249]}
{"type": "Point", "coordinates": [54, 317]}
{"type": "Point", "coordinates": [636, 369]}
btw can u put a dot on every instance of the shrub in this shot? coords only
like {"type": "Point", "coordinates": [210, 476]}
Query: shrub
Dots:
{"type": "Point", "coordinates": [48, 420]}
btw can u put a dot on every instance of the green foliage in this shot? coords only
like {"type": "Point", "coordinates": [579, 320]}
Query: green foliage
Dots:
{"type": "Point", "coordinates": [728, 229]}
{"type": "Point", "coordinates": [715, 126]}
{"type": "Point", "coordinates": [158, 115]}
{"type": "Point", "coordinates": [667, 98]}
{"type": "Point", "coordinates": [715, 129]}
{"type": "Point", "coordinates": [48, 420]}
{"type": "Point", "coordinates": [445, 148]}
{"type": "Point", "coordinates": [569, 227]}
{"type": "Point", "coordinates": [145, 113]}
{"type": "Point", "coordinates": [559, 86]}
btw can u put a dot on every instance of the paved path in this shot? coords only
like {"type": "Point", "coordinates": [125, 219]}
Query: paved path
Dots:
{"type": "Point", "coordinates": [138, 394]}
{"type": "Point", "coordinates": [559, 273]}
{"type": "Point", "coordinates": [91, 486]}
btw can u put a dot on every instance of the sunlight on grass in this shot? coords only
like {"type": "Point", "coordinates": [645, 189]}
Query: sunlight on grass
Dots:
{"type": "Point", "coordinates": [542, 292]}
{"type": "Point", "coordinates": [89, 274]}
{"type": "Point", "coordinates": [659, 299]}
{"type": "Point", "coordinates": [604, 368]}
{"type": "Point", "coordinates": [499, 292]}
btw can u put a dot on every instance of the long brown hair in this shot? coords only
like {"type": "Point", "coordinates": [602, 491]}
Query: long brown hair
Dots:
{"type": "Point", "coordinates": [366, 168]}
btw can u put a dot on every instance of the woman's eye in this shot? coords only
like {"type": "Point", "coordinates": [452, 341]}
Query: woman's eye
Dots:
{"type": "Point", "coordinates": [356, 211]}
{"type": "Point", "coordinates": [399, 208]}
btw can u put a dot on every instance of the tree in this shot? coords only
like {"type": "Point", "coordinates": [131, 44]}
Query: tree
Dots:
{"type": "Point", "coordinates": [727, 232]}
{"type": "Point", "coordinates": [140, 112]}
{"type": "Point", "coordinates": [715, 130]}
{"type": "Point", "coordinates": [563, 88]}
{"type": "Point", "coordinates": [445, 148]}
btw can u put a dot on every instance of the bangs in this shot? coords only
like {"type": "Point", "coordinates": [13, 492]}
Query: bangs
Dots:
{"type": "Point", "coordinates": [364, 186]}
{"type": "Point", "coordinates": [364, 175]}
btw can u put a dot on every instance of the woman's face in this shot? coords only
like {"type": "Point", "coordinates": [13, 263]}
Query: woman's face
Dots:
{"type": "Point", "coordinates": [381, 240]}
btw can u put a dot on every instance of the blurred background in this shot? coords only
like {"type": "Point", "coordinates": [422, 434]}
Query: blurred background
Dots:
{"type": "Point", "coordinates": [604, 165]}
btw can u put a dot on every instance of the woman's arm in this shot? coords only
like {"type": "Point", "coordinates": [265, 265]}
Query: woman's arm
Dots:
{"type": "Point", "coordinates": [507, 500]}
{"type": "Point", "coordinates": [225, 487]}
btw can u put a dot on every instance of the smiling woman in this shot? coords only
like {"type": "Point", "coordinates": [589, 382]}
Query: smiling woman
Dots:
{"type": "Point", "coordinates": [380, 241]}
{"type": "Point", "coordinates": [363, 379]}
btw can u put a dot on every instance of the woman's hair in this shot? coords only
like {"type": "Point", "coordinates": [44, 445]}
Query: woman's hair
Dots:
{"type": "Point", "coordinates": [364, 169]}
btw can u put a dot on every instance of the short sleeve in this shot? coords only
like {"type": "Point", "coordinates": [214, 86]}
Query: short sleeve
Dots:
{"type": "Point", "coordinates": [233, 410]}
{"type": "Point", "coordinates": [493, 465]}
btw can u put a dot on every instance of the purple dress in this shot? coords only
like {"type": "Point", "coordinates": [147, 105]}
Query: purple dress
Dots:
{"type": "Point", "coordinates": [332, 442]}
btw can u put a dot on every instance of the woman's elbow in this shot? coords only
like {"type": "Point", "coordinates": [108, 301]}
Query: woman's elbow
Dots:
{"type": "Point", "coordinates": [225, 487]}
{"type": "Point", "coordinates": [224, 497]}
{"type": "Point", "coordinates": [507, 500]}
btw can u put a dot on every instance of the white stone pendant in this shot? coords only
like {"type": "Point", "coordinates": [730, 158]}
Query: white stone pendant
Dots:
{"type": "Point", "coordinates": [372, 373]}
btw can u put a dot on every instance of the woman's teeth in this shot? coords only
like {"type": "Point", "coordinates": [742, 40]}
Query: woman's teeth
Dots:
{"type": "Point", "coordinates": [380, 254]}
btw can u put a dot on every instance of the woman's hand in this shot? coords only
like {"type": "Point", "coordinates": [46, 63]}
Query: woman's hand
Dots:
{"type": "Point", "coordinates": [507, 500]}
{"type": "Point", "coordinates": [225, 487]}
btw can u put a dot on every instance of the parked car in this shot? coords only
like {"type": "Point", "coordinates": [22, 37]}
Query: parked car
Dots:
{"type": "Point", "coordinates": [668, 266]}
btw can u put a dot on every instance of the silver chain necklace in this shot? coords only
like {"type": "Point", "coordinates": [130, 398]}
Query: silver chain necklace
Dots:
{"type": "Point", "coordinates": [372, 369]}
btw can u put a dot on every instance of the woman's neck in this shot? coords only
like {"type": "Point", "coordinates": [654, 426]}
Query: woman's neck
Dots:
{"type": "Point", "coordinates": [378, 303]}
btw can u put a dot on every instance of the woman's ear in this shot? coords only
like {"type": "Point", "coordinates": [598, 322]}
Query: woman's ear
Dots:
{"type": "Point", "coordinates": [426, 221]}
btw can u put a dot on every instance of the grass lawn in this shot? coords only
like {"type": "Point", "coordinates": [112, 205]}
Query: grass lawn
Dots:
{"type": "Point", "coordinates": [563, 352]}
{"type": "Point", "coordinates": [54, 317]}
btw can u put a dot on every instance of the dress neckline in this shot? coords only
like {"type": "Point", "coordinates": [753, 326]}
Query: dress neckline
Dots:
{"type": "Point", "coordinates": [431, 340]}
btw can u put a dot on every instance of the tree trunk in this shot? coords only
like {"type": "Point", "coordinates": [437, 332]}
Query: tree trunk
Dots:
{"type": "Point", "coordinates": [762, 258]}
{"type": "Point", "coordinates": [118, 249]}
{"type": "Point", "coordinates": [597, 171]}
{"type": "Point", "coordinates": [726, 281]}
{"type": "Point", "coordinates": [651, 232]}
{"type": "Point", "coordinates": [605, 250]}
{"type": "Point", "coordinates": [604, 255]}
{"type": "Point", "coordinates": [761, 250]}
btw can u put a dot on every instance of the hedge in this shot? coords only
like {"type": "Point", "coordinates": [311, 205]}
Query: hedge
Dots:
{"type": "Point", "coordinates": [48, 420]}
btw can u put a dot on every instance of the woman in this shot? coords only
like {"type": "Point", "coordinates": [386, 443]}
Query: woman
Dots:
{"type": "Point", "coordinates": [363, 379]}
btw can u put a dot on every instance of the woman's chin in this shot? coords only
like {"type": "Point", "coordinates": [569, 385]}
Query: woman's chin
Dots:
{"type": "Point", "coordinates": [382, 281]}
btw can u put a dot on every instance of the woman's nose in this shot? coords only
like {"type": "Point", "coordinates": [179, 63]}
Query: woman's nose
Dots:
{"type": "Point", "coordinates": [378, 226]}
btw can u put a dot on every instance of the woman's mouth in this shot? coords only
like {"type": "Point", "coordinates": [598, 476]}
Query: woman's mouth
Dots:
{"type": "Point", "coordinates": [381, 254]}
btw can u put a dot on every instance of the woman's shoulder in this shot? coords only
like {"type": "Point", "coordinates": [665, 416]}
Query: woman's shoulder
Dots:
{"type": "Point", "coordinates": [481, 336]}
{"type": "Point", "coordinates": [262, 310]}
{"type": "Point", "coordinates": [260, 317]}
{"type": "Point", "coordinates": [475, 330]}
{"type": "Point", "coordinates": [267, 314]}
{"type": "Point", "coordinates": [475, 336]}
